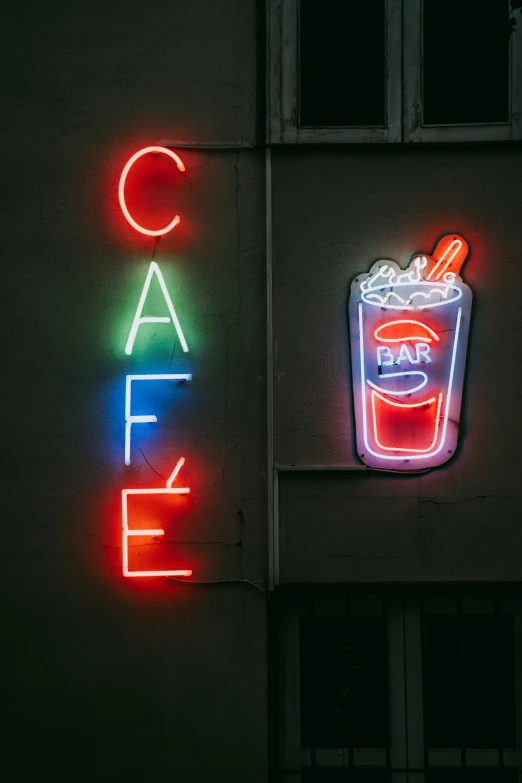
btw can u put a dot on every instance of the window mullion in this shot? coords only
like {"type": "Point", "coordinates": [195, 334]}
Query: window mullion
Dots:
{"type": "Point", "coordinates": [414, 696]}
{"type": "Point", "coordinates": [397, 680]}
{"type": "Point", "coordinates": [516, 81]}
{"type": "Point", "coordinates": [275, 73]}
{"type": "Point", "coordinates": [394, 70]}
{"type": "Point", "coordinates": [411, 70]}
{"type": "Point", "coordinates": [518, 681]}
{"type": "Point", "coordinates": [289, 61]}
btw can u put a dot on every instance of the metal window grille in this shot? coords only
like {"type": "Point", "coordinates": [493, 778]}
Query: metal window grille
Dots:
{"type": "Point", "coordinates": [400, 687]}
{"type": "Point", "coordinates": [409, 58]}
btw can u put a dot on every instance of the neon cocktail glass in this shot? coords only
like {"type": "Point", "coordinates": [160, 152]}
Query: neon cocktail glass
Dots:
{"type": "Point", "coordinates": [409, 333]}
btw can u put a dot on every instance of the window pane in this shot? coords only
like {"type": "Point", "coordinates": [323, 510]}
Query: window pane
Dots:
{"type": "Point", "coordinates": [345, 776]}
{"type": "Point", "coordinates": [465, 61]}
{"type": "Point", "coordinates": [441, 670]}
{"type": "Point", "coordinates": [488, 680]}
{"type": "Point", "coordinates": [469, 681]}
{"type": "Point", "coordinates": [342, 63]}
{"type": "Point", "coordinates": [344, 682]}
{"type": "Point", "coordinates": [471, 776]}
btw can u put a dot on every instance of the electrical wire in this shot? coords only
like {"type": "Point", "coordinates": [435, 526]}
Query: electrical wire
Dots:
{"type": "Point", "coordinates": [257, 585]}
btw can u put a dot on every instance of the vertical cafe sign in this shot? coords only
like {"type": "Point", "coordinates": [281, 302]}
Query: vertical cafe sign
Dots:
{"type": "Point", "coordinates": [143, 508]}
{"type": "Point", "coordinates": [409, 333]}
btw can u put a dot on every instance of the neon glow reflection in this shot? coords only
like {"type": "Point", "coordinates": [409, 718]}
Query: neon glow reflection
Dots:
{"type": "Point", "coordinates": [139, 319]}
{"type": "Point", "coordinates": [129, 533]}
{"type": "Point", "coordinates": [147, 418]}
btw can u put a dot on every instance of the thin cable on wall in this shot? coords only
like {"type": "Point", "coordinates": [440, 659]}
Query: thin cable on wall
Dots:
{"type": "Point", "coordinates": [257, 585]}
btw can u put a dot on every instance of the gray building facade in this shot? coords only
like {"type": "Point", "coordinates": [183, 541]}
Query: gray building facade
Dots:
{"type": "Point", "coordinates": [342, 623]}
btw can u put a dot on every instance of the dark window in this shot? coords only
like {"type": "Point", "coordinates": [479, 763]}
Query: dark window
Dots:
{"type": "Point", "coordinates": [344, 682]}
{"type": "Point", "coordinates": [470, 775]}
{"type": "Point", "coordinates": [465, 62]}
{"type": "Point", "coordinates": [342, 63]}
{"type": "Point", "coordinates": [345, 776]}
{"type": "Point", "coordinates": [469, 695]}
{"type": "Point", "coordinates": [406, 684]}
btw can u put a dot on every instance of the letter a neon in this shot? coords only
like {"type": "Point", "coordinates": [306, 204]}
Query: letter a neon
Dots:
{"type": "Point", "coordinates": [139, 319]}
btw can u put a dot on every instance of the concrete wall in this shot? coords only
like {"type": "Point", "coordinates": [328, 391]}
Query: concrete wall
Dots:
{"type": "Point", "coordinates": [335, 212]}
{"type": "Point", "coordinates": [106, 678]}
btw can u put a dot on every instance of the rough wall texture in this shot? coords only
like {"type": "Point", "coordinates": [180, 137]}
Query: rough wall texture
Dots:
{"type": "Point", "coordinates": [336, 212]}
{"type": "Point", "coordinates": [108, 678]}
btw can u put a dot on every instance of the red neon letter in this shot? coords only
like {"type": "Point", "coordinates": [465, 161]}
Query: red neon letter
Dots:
{"type": "Point", "coordinates": [121, 190]}
{"type": "Point", "coordinates": [129, 532]}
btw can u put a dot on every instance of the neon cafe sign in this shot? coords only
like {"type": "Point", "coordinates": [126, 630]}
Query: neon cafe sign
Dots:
{"type": "Point", "coordinates": [130, 498]}
{"type": "Point", "coordinates": [408, 334]}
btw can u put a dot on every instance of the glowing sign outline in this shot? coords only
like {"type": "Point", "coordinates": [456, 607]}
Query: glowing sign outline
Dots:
{"type": "Point", "coordinates": [374, 394]}
{"type": "Point", "coordinates": [434, 335]}
{"type": "Point", "coordinates": [130, 532]}
{"type": "Point", "coordinates": [121, 190]}
{"type": "Point", "coordinates": [405, 374]}
{"type": "Point", "coordinates": [427, 341]}
{"type": "Point", "coordinates": [147, 418]}
{"type": "Point", "coordinates": [413, 456]}
{"type": "Point", "coordinates": [138, 319]}
{"type": "Point", "coordinates": [404, 304]}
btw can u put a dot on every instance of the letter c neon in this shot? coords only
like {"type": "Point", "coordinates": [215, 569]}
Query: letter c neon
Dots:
{"type": "Point", "coordinates": [121, 190]}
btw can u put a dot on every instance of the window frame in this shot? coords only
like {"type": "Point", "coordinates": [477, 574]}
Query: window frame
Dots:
{"type": "Point", "coordinates": [413, 128]}
{"type": "Point", "coordinates": [407, 757]}
{"type": "Point", "coordinates": [283, 58]}
{"type": "Point", "coordinates": [403, 75]}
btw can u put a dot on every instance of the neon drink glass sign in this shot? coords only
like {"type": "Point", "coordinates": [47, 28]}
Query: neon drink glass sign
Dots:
{"type": "Point", "coordinates": [408, 334]}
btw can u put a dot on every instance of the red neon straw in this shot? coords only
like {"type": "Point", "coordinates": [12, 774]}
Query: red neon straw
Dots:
{"type": "Point", "coordinates": [450, 254]}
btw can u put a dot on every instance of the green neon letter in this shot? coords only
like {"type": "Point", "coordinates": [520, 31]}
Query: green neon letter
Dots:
{"type": "Point", "coordinates": [139, 319]}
